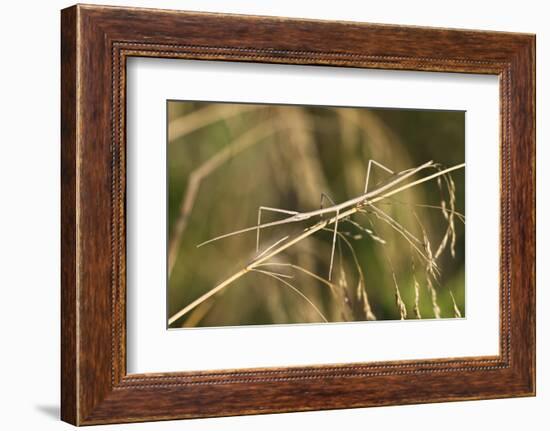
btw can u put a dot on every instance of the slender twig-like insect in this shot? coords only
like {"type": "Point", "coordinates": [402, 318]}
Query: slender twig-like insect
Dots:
{"type": "Point", "coordinates": [335, 209]}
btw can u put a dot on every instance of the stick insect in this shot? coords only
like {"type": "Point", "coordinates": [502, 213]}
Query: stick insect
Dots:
{"type": "Point", "coordinates": [335, 209]}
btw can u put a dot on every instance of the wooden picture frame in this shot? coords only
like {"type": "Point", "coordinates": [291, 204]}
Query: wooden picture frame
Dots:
{"type": "Point", "coordinates": [95, 43]}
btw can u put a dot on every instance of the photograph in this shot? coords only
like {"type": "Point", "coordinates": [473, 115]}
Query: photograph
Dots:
{"type": "Point", "coordinates": [301, 214]}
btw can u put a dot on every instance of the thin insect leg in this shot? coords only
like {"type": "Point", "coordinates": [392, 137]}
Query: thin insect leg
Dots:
{"type": "Point", "coordinates": [276, 210]}
{"type": "Point", "coordinates": [380, 165]}
{"type": "Point", "coordinates": [333, 245]}
{"type": "Point", "coordinates": [402, 308]}
{"type": "Point", "coordinates": [328, 198]}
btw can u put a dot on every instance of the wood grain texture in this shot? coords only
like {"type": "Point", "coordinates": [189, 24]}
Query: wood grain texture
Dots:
{"type": "Point", "coordinates": [69, 398]}
{"type": "Point", "coordinates": [96, 41]}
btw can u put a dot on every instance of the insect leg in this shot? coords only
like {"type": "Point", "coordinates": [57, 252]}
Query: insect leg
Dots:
{"type": "Point", "coordinates": [276, 210]}
{"type": "Point", "coordinates": [324, 197]}
{"type": "Point", "coordinates": [333, 245]}
{"type": "Point", "coordinates": [380, 165]}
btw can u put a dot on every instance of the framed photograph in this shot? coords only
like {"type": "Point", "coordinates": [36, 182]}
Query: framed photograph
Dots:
{"type": "Point", "coordinates": [265, 215]}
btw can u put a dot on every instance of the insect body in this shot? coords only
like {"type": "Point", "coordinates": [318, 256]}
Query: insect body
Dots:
{"type": "Point", "coordinates": [335, 209]}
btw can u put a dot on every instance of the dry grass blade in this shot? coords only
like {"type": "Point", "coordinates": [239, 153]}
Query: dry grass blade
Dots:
{"type": "Point", "coordinates": [430, 272]}
{"type": "Point", "coordinates": [398, 299]}
{"type": "Point", "coordinates": [272, 246]}
{"type": "Point", "coordinates": [198, 314]}
{"type": "Point", "coordinates": [416, 308]}
{"type": "Point", "coordinates": [347, 311]}
{"type": "Point", "coordinates": [459, 215]}
{"type": "Point", "coordinates": [246, 140]}
{"type": "Point", "coordinates": [361, 290]}
{"type": "Point", "coordinates": [456, 310]}
{"type": "Point", "coordinates": [205, 117]}
{"type": "Point", "coordinates": [361, 285]}
{"type": "Point", "coordinates": [401, 307]}
{"type": "Point", "coordinates": [411, 239]}
{"type": "Point", "coordinates": [301, 269]}
{"type": "Point", "coordinates": [450, 232]}
{"type": "Point", "coordinates": [296, 290]}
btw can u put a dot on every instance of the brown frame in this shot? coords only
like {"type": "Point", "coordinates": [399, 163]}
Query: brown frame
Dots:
{"type": "Point", "coordinates": [95, 43]}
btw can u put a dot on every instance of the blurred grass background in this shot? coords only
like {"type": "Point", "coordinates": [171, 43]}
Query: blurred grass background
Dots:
{"type": "Point", "coordinates": [225, 160]}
